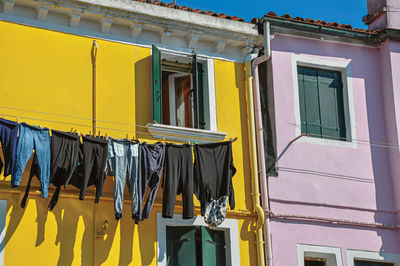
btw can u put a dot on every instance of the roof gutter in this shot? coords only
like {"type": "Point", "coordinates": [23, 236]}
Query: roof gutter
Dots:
{"type": "Point", "coordinates": [260, 139]}
{"type": "Point", "coordinates": [284, 26]}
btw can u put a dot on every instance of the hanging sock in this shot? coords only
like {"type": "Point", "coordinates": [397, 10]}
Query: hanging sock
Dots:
{"type": "Point", "coordinates": [214, 170]}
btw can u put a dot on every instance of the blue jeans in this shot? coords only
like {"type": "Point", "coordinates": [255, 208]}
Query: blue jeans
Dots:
{"type": "Point", "coordinates": [123, 158]}
{"type": "Point", "coordinates": [30, 138]}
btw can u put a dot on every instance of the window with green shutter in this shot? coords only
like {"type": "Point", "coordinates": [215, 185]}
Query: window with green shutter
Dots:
{"type": "Point", "coordinates": [321, 103]}
{"type": "Point", "coordinates": [195, 246]}
{"type": "Point", "coordinates": [371, 263]}
{"type": "Point", "coordinates": [179, 97]}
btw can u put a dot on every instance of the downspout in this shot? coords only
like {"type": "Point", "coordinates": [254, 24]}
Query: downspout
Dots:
{"type": "Point", "coordinates": [254, 168]}
{"type": "Point", "coordinates": [94, 87]}
{"type": "Point", "coordinates": [260, 140]}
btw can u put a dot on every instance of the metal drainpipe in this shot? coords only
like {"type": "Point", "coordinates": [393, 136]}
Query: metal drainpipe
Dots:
{"type": "Point", "coordinates": [260, 140]}
{"type": "Point", "coordinates": [254, 169]}
{"type": "Point", "coordinates": [94, 88]}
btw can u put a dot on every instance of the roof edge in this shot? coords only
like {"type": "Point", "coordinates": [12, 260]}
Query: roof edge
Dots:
{"type": "Point", "coordinates": [312, 30]}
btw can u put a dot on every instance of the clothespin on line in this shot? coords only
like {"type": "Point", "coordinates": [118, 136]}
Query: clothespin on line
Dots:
{"type": "Point", "coordinates": [17, 119]}
{"type": "Point", "coordinates": [98, 134]}
{"type": "Point", "coordinates": [233, 140]}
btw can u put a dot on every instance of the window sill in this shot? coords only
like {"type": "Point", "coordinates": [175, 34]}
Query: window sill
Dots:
{"type": "Point", "coordinates": [329, 142]}
{"type": "Point", "coordinates": [184, 134]}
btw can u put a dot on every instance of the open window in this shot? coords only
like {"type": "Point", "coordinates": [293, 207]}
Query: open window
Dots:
{"type": "Point", "coordinates": [195, 246]}
{"type": "Point", "coordinates": [179, 95]}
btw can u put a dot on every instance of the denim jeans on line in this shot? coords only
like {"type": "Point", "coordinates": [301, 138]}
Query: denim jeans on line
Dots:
{"type": "Point", "coordinates": [30, 138]}
{"type": "Point", "coordinates": [123, 158]}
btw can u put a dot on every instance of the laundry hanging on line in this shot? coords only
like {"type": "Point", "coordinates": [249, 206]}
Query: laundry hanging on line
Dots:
{"type": "Point", "coordinates": [61, 160]}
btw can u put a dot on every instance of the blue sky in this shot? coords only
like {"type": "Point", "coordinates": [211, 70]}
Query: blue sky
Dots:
{"type": "Point", "coordinates": [341, 11]}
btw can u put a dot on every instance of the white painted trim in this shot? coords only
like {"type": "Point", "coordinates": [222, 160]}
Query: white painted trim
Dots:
{"type": "Point", "coordinates": [211, 94]}
{"type": "Point", "coordinates": [323, 252]}
{"type": "Point", "coordinates": [372, 256]}
{"type": "Point", "coordinates": [184, 133]}
{"type": "Point", "coordinates": [3, 215]}
{"type": "Point", "coordinates": [343, 66]}
{"type": "Point", "coordinates": [230, 226]}
{"type": "Point", "coordinates": [76, 30]}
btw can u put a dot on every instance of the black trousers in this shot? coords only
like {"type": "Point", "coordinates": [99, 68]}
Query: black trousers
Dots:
{"type": "Point", "coordinates": [178, 179]}
{"type": "Point", "coordinates": [214, 170]}
{"type": "Point", "coordinates": [64, 159]}
{"type": "Point", "coordinates": [91, 166]}
{"type": "Point", "coordinates": [151, 162]}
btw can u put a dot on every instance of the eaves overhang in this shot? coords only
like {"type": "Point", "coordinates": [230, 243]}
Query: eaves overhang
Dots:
{"type": "Point", "coordinates": [320, 32]}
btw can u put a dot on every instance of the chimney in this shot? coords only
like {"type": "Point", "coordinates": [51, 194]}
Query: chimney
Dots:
{"type": "Point", "coordinates": [383, 14]}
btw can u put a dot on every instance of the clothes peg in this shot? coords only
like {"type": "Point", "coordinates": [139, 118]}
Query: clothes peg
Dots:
{"type": "Point", "coordinates": [99, 134]}
{"type": "Point", "coordinates": [17, 119]}
{"type": "Point", "coordinates": [105, 136]}
{"type": "Point", "coordinates": [40, 125]}
{"type": "Point", "coordinates": [72, 129]}
{"type": "Point", "coordinates": [90, 132]}
{"type": "Point", "coordinates": [76, 131]}
{"type": "Point", "coordinates": [127, 136]}
{"type": "Point", "coordinates": [233, 140]}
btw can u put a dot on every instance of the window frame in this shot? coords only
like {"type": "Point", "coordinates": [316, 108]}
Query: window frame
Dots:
{"type": "Point", "coordinates": [188, 134]}
{"type": "Point", "coordinates": [344, 67]}
{"type": "Point", "coordinates": [229, 226]}
{"type": "Point", "coordinates": [307, 251]}
{"type": "Point", "coordinates": [372, 256]}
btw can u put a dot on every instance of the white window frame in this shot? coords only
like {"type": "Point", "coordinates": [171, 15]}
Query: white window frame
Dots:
{"type": "Point", "coordinates": [318, 252]}
{"type": "Point", "coordinates": [371, 256]}
{"type": "Point", "coordinates": [229, 226]}
{"type": "Point", "coordinates": [3, 217]}
{"type": "Point", "coordinates": [344, 67]}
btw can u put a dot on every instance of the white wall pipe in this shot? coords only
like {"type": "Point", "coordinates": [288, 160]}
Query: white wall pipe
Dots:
{"type": "Point", "coordinates": [260, 141]}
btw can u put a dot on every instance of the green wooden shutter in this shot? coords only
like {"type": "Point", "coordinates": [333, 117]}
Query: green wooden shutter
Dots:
{"type": "Point", "coordinates": [156, 93]}
{"type": "Point", "coordinates": [300, 76]}
{"type": "Point", "coordinates": [311, 105]}
{"type": "Point", "coordinates": [197, 72]}
{"type": "Point", "coordinates": [331, 102]}
{"type": "Point", "coordinates": [371, 263]}
{"type": "Point", "coordinates": [213, 247]}
{"type": "Point", "coordinates": [340, 100]}
{"type": "Point", "coordinates": [181, 246]}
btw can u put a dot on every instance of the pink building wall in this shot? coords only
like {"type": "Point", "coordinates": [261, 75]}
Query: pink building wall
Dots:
{"type": "Point", "coordinates": [361, 179]}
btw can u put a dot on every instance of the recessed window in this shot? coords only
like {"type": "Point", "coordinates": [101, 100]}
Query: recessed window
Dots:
{"type": "Point", "coordinates": [179, 94]}
{"type": "Point", "coordinates": [371, 263]}
{"type": "Point", "coordinates": [321, 103]}
{"type": "Point", "coordinates": [314, 262]}
{"type": "Point", "coordinates": [195, 246]}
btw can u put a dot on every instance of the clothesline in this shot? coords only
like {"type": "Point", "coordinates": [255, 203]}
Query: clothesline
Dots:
{"type": "Point", "coordinates": [139, 132]}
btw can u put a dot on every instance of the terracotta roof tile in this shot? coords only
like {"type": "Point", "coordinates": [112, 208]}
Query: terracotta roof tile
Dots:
{"type": "Point", "coordinates": [188, 9]}
{"type": "Point", "coordinates": [336, 25]}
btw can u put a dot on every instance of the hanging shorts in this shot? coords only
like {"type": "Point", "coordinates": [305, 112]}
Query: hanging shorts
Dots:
{"type": "Point", "coordinates": [178, 179]}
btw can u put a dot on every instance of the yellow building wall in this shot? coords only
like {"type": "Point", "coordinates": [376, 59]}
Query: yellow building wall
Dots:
{"type": "Point", "coordinates": [51, 73]}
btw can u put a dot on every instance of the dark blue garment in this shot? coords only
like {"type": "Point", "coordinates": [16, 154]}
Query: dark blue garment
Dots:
{"type": "Point", "coordinates": [151, 162]}
{"type": "Point", "coordinates": [30, 138]}
{"type": "Point", "coordinates": [8, 138]}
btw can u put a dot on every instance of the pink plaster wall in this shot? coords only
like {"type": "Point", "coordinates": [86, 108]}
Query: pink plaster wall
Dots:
{"type": "Point", "coordinates": [354, 177]}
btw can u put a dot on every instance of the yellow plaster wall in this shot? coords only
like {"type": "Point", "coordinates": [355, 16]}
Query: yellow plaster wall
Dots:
{"type": "Point", "coordinates": [51, 72]}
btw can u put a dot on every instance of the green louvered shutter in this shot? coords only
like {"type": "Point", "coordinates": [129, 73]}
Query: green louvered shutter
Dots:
{"type": "Point", "coordinates": [156, 93]}
{"type": "Point", "coordinates": [309, 90]}
{"type": "Point", "coordinates": [213, 247]}
{"type": "Point", "coordinates": [331, 102]}
{"type": "Point", "coordinates": [197, 72]}
{"type": "Point", "coordinates": [181, 246]}
{"type": "Point", "coordinates": [371, 263]}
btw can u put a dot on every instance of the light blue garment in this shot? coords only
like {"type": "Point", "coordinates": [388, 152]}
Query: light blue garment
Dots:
{"type": "Point", "coordinates": [31, 137]}
{"type": "Point", "coordinates": [123, 159]}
